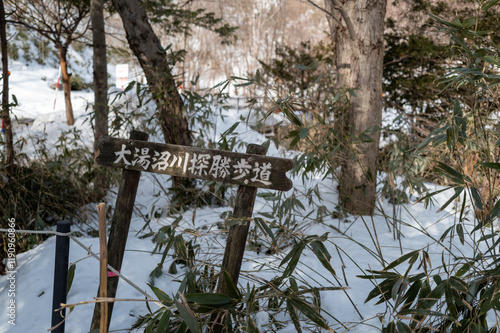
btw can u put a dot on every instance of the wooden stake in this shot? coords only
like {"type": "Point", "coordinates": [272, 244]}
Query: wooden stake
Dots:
{"type": "Point", "coordinates": [237, 238]}
{"type": "Point", "coordinates": [101, 212]}
{"type": "Point", "coordinates": [60, 277]}
{"type": "Point", "coordinates": [118, 232]}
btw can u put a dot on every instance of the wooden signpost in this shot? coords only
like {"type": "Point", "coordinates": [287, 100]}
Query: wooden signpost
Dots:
{"type": "Point", "coordinates": [191, 162]}
{"type": "Point", "coordinates": [251, 171]}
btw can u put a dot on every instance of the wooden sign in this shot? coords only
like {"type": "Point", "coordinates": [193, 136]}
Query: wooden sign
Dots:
{"type": "Point", "coordinates": [251, 171]}
{"type": "Point", "coordinates": [191, 162]}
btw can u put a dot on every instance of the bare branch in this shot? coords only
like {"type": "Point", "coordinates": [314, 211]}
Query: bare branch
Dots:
{"type": "Point", "coordinates": [324, 10]}
{"type": "Point", "coordinates": [338, 6]}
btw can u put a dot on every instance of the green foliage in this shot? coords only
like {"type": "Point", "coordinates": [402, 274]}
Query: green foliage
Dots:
{"type": "Point", "coordinates": [305, 71]}
{"type": "Point", "coordinates": [77, 83]}
{"type": "Point", "coordinates": [196, 304]}
{"type": "Point", "coordinates": [299, 68]}
{"type": "Point", "coordinates": [457, 295]}
{"type": "Point", "coordinates": [412, 64]}
{"type": "Point", "coordinates": [177, 18]}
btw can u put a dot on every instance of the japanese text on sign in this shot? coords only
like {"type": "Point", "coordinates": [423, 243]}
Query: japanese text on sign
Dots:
{"type": "Point", "coordinates": [217, 166]}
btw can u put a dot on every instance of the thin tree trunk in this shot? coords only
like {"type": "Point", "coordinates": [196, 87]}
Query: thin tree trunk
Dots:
{"type": "Point", "coordinates": [100, 70]}
{"type": "Point", "coordinates": [153, 60]}
{"type": "Point", "coordinates": [360, 66]}
{"type": "Point", "coordinates": [100, 86]}
{"type": "Point", "coordinates": [66, 77]}
{"type": "Point", "coordinates": [147, 48]}
{"type": "Point", "coordinates": [5, 93]}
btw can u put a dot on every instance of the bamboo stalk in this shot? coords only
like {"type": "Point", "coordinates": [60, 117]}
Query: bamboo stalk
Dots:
{"type": "Point", "coordinates": [101, 211]}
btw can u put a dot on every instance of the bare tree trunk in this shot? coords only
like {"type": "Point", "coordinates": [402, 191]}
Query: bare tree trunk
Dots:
{"type": "Point", "coordinates": [100, 86]}
{"type": "Point", "coordinates": [359, 63]}
{"type": "Point", "coordinates": [146, 47]}
{"type": "Point", "coordinates": [153, 60]}
{"type": "Point", "coordinates": [66, 77]}
{"type": "Point", "coordinates": [100, 70]}
{"type": "Point", "coordinates": [5, 92]}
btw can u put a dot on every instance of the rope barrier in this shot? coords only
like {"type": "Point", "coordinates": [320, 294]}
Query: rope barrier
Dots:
{"type": "Point", "coordinates": [89, 251]}
{"type": "Point", "coordinates": [41, 232]}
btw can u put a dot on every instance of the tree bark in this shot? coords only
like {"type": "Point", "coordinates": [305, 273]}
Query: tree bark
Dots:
{"type": "Point", "coordinates": [5, 93]}
{"type": "Point", "coordinates": [100, 70]}
{"type": "Point", "coordinates": [100, 86]}
{"type": "Point", "coordinates": [153, 60]}
{"type": "Point", "coordinates": [359, 62]}
{"type": "Point", "coordinates": [66, 78]}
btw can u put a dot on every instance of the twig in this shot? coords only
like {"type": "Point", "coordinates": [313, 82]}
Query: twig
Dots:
{"type": "Point", "coordinates": [338, 6]}
{"type": "Point", "coordinates": [111, 300]}
{"type": "Point", "coordinates": [325, 11]}
{"type": "Point", "coordinates": [350, 27]}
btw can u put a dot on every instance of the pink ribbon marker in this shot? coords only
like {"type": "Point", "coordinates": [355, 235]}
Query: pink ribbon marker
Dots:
{"type": "Point", "coordinates": [112, 274]}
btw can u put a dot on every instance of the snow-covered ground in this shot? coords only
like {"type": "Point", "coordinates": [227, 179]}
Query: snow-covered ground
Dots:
{"type": "Point", "coordinates": [351, 238]}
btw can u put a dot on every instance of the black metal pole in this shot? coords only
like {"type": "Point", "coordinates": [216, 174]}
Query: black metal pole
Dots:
{"type": "Point", "coordinates": [60, 276]}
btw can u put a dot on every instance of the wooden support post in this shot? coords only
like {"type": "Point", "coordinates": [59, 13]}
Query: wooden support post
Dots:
{"type": "Point", "coordinates": [237, 237]}
{"type": "Point", "coordinates": [119, 229]}
{"type": "Point", "coordinates": [60, 277]}
{"type": "Point", "coordinates": [103, 250]}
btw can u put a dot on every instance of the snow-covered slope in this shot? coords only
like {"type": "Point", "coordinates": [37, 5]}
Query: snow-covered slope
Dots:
{"type": "Point", "coordinates": [353, 235]}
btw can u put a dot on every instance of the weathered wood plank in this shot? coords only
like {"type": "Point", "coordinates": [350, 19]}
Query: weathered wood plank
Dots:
{"type": "Point", "coordinates": [191, 162]}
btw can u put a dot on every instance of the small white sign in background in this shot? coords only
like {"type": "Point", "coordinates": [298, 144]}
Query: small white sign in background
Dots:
{"type": "Point", "coordinates": [121, 76]}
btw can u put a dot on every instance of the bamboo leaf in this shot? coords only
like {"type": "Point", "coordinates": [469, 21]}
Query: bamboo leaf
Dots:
{"type": "Point", "coordinates": [425, 142]}
{"type": "Point", "coordinates": [478, 202]}
{"type": "Point", "coordinates": [460, 233]}
{"type": "Point", "coordinates": [303, 132]}
{"type": "Point", "coordinates": [323, 255]}
{"type": "Point", "coordinates": [450, 173]}
{"type": "Point", "coordinates": [265, 228]}
{"type": "Point", "coordinates": [423, 312]}
{"type": "Point", "coordinates": [231, 287]}
{"type": "Point", "coordinates": [164, 322]}
{"type": "Point", "coordinates": [71, 277]}
{"type": "Point", "coordinates": [186, 313]}
{"type": "Point", "coordinates": [230, 129]}
{"type": "Point", "coordinates": [491, 165]}
{"type": "Point", "coordinates": [292, 258]}
{"type": "Point", "coordinates": [489, 4]}
{"type": "Point", "coordinates": [162, 296]}
{"type": "Point", "coordinates": [402, 327]}
{"type": "Point", "coordinates": [488, 300]}
{"type": "Point", "coordinates": [412, 293]}
{"type": "Point", "coordinates": [445, 233]}
{"type": "Point", "coordinates": [401, 259]}
{"type": "Point", "coordinates": [301, 67]}
{"type": "Point", "coordinates": [294, 316]}
{"type": "Point", "coordinates": [494, 213]}
{"type": "Point", "coordinates": [432, 194]}
{"type": "Point", "coordinates": [309, 312]}
{"type": "Point", "coordinates": [209, 299]}
{"type": "Point", "coordinates": [458, 191]}
{"type": "Point", "coordinates": [151, 325]}
{"type": "Point", "coordinates": [396, 288]}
